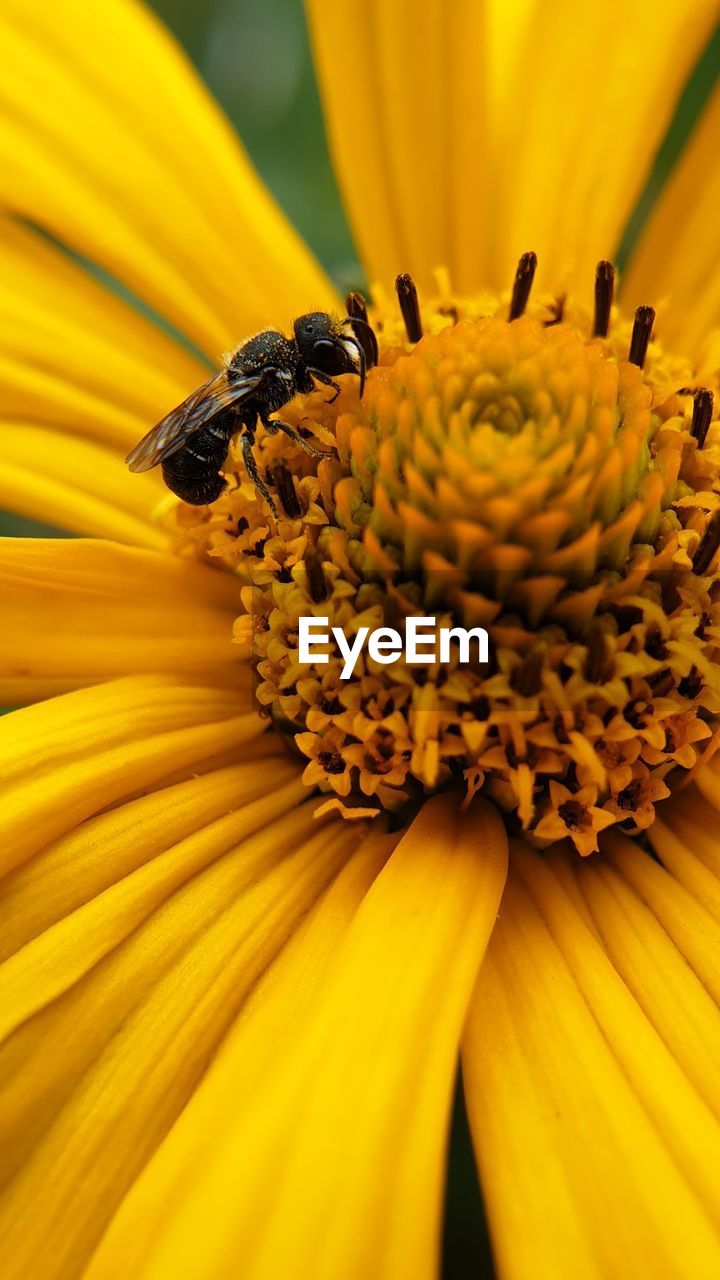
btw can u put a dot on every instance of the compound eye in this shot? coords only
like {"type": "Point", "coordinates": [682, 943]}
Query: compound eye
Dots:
{"type": "Point", "coordinates": [330, 357]}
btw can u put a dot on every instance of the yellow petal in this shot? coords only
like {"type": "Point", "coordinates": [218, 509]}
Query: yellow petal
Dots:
{"type": "Point", "coordinates": [692, 928]}
{"type": "Point", "coordinates": [49, 475]}
{"type": "Point", "coordinates": [77, 613]}
{"type": "Point", "coordinates": [707, 780]}
{"type": "Point", "coordinates": [67, 758]}
{"type": "Point", "coordinates": [403, 101]}
{"type": "Point", "coordinates": [74, 354]}
{"type": "Point", "coordinates": [595, 1151]}
{"type": "Point", "coordinates": [686, 840]}
{"type": "Point", "coordinates": [588, 100]}
{"type": "Point", "coordinates": [670, 994]}
{"type": "Point", "coordinates": [110, 1064]}
{"type": "Point", "coordinates": [676, 258]}
{"type": "Point", "coordinates": [352, 1112]}
{"type": "Point", "coordinates": [480, 132]}
{"type": "Point", "coordinates": [266, 1028]}
{"type": "Point", "coordinates": [103, 850]}
{"type": "Point", "coordinates": [110, 142]}
{"type": "Point", "coordinates": [76, 361]}
{"type": "Point", "coordinates": [52, 963]}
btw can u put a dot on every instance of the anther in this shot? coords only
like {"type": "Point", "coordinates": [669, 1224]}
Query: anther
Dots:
{"type": "Point", "coordinates": [557, 311]}
{"type": "Point", "coordinates": [604, 290]}
{"type": "Point", "coordinates": [316, 584]}
{"type": "Point", "coordinates": [283, 482]}
{"type": "Point", "coordinates": [599, 666]}
{"type": "Point", "coordinates": [662, 683]}
{"type": "Point", "coordinates": [642, 328]}
{"type": "Point", "coordinates": [361, 327]}
{"type": "Point", "coordinates": [690, 685]}
{"type": "Point", "coordinates": [702, 415]}
{"type": "Point", "coordinates": [524, 277]}
{"type": "Point", "coordinates": [526, 679]}
{"type": "Point", "coordinates": [707, 546]}
{"type": "Point", "coordinates": [409, 306]}
{"type": "Point", "coordinates": [355, 307]}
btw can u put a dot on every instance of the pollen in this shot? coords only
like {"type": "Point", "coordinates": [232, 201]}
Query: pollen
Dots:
{"type": "Point", "coordinates": [523, 464]}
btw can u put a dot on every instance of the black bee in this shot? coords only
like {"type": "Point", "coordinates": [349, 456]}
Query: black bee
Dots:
{"type": "Point", "coordinates": [261, 376]}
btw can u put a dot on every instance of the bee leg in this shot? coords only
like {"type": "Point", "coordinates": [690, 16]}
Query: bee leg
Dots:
{"type": "Point", "coordinates": [327, 381]}
{"type": "Point", "coordinates": [252, 470]}
{"type": "Point", "coordinates": [273, 425]}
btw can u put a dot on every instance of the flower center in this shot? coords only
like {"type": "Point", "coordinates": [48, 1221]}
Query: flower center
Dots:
{"type": "Point", "coordinates": [517, 465]}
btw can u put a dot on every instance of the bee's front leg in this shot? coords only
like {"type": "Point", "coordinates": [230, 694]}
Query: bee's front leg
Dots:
{"type": "Point", "coordinates": [274, 425]}
{"type": "Point", "coordinates": [327, 381]}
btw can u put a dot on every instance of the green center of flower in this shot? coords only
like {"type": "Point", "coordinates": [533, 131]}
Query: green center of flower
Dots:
{"type": "Point", "coordinates": [526, 468]}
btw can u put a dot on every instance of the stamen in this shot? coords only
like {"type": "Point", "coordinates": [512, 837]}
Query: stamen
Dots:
{"type": "Point", "coordinates": [361, 327]}
{"type": "Point", "coordinates": [573, 814]}
{"type": "Point", "coordinates": [283, 482]}
{"type": "Point", "coordinates": [707, 546]}
{"type": "Point", "coordinates": [524, 277]}
{"type": "Point", "coordinates": [642, 328]}
{"type": "Point", "coordinates": [409, 306]}
{"type": "Point", "coordinates": [662, 683]}
{"type": "Point", "coordinates": [355, 307]}
{"type": "Point", "coordinates": [599, 665]}
{"type": "Point", "coordinates": [702, 415]}
{"type": "Point", "coordinates": [317, 586]}
{"type": "Point", "coordinates": [557, 311]}
{"type": "Point", "coordinates": [527, 678]}
{"type": "Point", "coordinates": [604, 290]}
{"type": "Point", "coordinates": [691, 684]}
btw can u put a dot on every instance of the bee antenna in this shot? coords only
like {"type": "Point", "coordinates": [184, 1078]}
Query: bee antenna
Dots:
{"type": "Point", "coordinates": [370, 345]}
{"type": "Point", "coordinates": [362, 361]}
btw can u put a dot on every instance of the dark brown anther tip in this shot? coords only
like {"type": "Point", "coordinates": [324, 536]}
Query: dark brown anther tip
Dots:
{"type": "Point", "coordinates": [285, 486]}
{"type": "Point", "coordinates": [642, 329]}
{"type": "Point", "coordinates": [361, 327]}
{"type": "Point", "coordinates": [702, 415]}
{"type": "Point", "coordinates": [316, 584]}
{"type": "Point", "coordinates": [526, 679]}
{"type": "Point", "coordinates": [409, 306]}
{"type": "Point", "coordinates": [524, 276]}
{"type": "Point", "coordinates": [661, 684]}
{"type": "Point", "coordinates": [604, 291]}
{"type": "Point", "coordinates": [357, 311]}
{"type": "Point", "coordinates": [557, 311]}
{"type": "Point", "coordinates": [707, 546]}
{"type": "Point", "coordinates": [599, 665]}
{"type": "Point", "coordinates": [356, 307]}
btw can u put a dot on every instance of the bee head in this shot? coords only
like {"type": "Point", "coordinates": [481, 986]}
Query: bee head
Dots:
{"type": "Point", "coordinates": [316, 335]}
{"type": "Point", "coordinates": [329, 345]}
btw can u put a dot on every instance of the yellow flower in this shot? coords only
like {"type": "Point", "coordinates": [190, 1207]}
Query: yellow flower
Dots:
{"type": "Point", "coordinates": [230, 1029]}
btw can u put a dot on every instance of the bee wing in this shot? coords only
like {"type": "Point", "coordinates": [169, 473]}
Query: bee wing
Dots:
{"type": "Point", "coordinates": [203, 404]}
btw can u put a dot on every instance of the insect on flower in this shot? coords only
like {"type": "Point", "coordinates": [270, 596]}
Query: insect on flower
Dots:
{"type": "Point", "coordinates": [258, 378]}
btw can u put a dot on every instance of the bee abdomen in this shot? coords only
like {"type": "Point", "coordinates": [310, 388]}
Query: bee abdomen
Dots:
{"type": "Point", "coordinates": [198, 489]}
{"type": "Point", "coordinates": [192, 472]}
